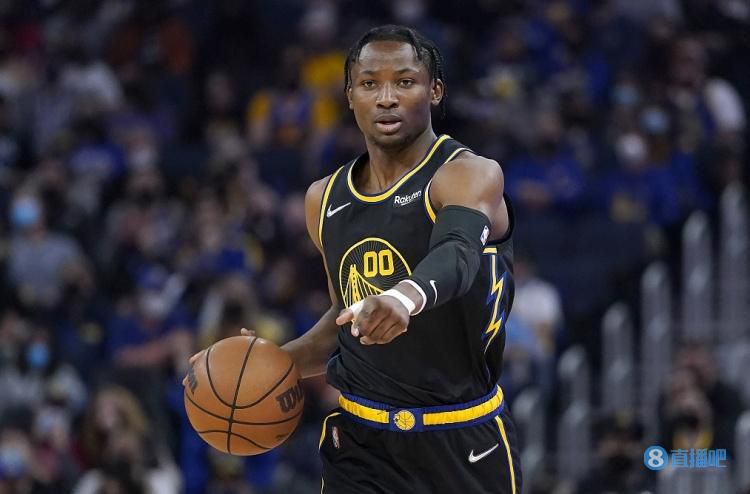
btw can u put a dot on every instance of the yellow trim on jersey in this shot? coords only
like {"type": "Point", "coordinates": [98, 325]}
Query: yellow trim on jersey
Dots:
{"type": "Point", "coordinates": [389, 192]}
{"type": "Point", "coordinates": [369, 239]}
{"type": "Point", "coordinates": [427, 203]}
{"type": "Point", "coordinates": [501, 426]}
{"type": "Point", "coordinates": [327, 192]}
{"type": "Point", "coordinates": [490, 250]}
{"type": "Point", "coordinates": [325, 424]}
{"type": "Point", "coordinates": [429, 418]}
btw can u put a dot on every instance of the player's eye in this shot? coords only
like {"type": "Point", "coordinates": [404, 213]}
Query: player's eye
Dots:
{"type": "Point", "coordinates": [406, 82]}
{"type": "Point", "coordinates": [368, 83]}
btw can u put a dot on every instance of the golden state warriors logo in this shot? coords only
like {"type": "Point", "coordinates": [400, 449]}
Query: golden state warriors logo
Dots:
{"type": "Point", "coordinates": [369, 267]}
{"type": "Point", "coordinates": [404, 420]}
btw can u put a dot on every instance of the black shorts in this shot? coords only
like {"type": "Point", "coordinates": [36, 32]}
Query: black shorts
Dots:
{"type": "Point", "coordinates": [358, 458]}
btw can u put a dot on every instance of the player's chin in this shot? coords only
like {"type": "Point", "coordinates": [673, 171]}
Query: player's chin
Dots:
{"type": "Point", "coordinates": [390, 139]}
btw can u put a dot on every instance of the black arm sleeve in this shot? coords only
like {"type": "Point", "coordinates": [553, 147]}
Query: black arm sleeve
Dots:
{"type": "Point", "coordinates": [456, 243]}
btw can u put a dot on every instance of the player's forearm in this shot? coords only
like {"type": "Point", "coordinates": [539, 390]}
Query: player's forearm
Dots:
{"type": "Point", "coordinates": [311, 351]}
{"type": "Point", "coordinates": [449, 269]}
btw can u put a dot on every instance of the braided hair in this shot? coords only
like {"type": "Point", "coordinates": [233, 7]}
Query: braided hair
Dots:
{"type": "Point", "coordinates": [426, 51]}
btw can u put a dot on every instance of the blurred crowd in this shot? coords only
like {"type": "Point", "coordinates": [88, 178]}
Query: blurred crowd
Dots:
{"type": "Point", "coordinates": [153, 163]}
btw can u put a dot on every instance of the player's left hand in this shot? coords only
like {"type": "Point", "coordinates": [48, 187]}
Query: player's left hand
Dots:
{"type": "Point", "coordinates": [380, 319]}
{"type": "Point", "coordinates": [194, 358]}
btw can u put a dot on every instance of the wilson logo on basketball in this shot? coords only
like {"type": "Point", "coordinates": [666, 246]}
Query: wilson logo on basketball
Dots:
{"type": "Point", "coordinates": [192, 380]}
{"type": "Point", "coordinates": [288, 399]}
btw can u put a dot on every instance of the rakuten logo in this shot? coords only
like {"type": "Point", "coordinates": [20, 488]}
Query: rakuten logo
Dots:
{"type": "Point", "coordinates": [407, 199]}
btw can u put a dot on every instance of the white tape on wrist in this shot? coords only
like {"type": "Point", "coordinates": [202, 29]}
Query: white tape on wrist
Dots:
{"type": "Point", "coordinates": [421, 294]}
{"type": "Point", "coordinates": [356, 307]}
{"type": "Point", "coordinates": [408, 304]}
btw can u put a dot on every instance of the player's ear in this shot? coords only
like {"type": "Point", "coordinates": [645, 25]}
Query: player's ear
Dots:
{"type": "Point", "coordinates": [349, 97]}
{"type": "Point", "coordinates": [437, 91]}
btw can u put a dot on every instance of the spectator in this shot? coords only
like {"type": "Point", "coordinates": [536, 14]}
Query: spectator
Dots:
{"type": "Point", "coordinates": [121, 450]}
{"type": "Point", "coordinates": [724, 400]}
{"type": "Point", "coordinates": [11, 145]}
{"type": "Point", "coordinates": [708, 105]}
{"type": "Point", "coordinates": [619, 455]}
{"type": "Point", "coordinates": [37, 257]}
{"type": "Point", "coordinates": [549, 177]}
{"type": "Point", "coordinates": [33, 368]}
{"type": "Point", "coordinates": [640, 191]}
{"type": "Point", "coordinates": [153, 158]}
{"type": "Point", "coordinates": [534, 328]}
{"type": "Point", "coordinates": [16, 462]}
{"type": "Point", "coordinates": [157, 333]}
{"type": "Point", "coordinates": [687, 417]}
{"type": "Point", "coordinates": [56, 470]}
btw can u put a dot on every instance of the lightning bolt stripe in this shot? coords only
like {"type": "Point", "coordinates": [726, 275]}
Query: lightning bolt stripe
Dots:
{"type": "Point", "coordinates": [494, 296]}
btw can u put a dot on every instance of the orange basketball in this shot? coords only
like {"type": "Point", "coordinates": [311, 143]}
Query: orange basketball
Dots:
{"type": "Point", "coordinates": [244, 395]}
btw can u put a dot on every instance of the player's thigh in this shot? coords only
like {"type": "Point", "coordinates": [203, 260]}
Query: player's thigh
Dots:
{"type": "Point", "coordinates": [357, 459]}
{"type": "Point", "coordinates": [481, 458]}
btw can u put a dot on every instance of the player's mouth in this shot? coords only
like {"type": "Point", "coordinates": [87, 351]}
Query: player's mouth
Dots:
{"type": "Point", "coordinates": [388, 124]}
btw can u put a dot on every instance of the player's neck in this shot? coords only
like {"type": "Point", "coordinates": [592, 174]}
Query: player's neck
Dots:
{"type": "Point", "coordinates": [385, 165]}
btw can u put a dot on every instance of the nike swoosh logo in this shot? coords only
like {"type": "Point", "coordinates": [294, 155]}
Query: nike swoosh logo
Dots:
{"type": "Point", "coordinates": [432, 284]}
{"type": "Point", "coordinates": [331, 212]}
{"type": "Point", "coordinates": [474, 459]}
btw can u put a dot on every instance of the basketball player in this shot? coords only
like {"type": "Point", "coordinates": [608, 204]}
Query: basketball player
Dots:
{"type": "Point", "coordinates": [415, 238]}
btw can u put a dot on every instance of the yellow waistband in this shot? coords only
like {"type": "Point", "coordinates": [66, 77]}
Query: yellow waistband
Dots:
{"type": "Point", "coordinates": [420, 418]}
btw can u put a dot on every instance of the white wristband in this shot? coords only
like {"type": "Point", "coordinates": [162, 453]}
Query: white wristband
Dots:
{"type": "Point", "coordinates": [408, 304]}
{"type": "Point", "coordinates": [421, 294]}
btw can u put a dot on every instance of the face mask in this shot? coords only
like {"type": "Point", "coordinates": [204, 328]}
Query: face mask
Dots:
{"type": "Point", "coordinates": [145, 198]}
{"type": "Point", "coordinates": [625, 95]}
{"type": "Point", "coordinates": [13, 462]}
{"type": "Point", "coordinates": [631, 148]}
{"type": "Point", "coordinates": [143, 157]}
{"type": "Point", "coordinates": [37, 356]}
{"type": "Point", "coordinates": [25, 213]}
{"type": "Point", "coordinates": [153, 306]}
{"type": "Point", "coordinates": [655, 121]}
{"type": "Point", "coordinates": [686, 420]}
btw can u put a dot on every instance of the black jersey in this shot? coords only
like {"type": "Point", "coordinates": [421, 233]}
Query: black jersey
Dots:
{"type": "Point", "coordinates": [450, 354]}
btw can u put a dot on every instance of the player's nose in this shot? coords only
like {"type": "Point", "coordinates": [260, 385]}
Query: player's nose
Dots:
{"type": "Point", "coordinates": [387, 96]}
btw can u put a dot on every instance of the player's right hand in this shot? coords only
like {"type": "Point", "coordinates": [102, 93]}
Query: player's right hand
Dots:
{"type": "Point", "coordinates": [194, 358]}
{"type": "Point", "coordinates": [378, 320]}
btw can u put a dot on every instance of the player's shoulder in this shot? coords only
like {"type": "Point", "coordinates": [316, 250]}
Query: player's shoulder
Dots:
{"type": "Point", "coordinates": [316, 189]}
{"type": "Point", "coordinates": [314, 197]}
{"type": "Point", "coordinates": [473, 160]}
{"type": "Point", "coordinates": [469, 163]}
{"type": "Point", "coordinates": [313, 201]}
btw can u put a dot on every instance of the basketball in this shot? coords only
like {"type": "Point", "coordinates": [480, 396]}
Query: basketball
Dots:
{"type": "Point", "coordinates": [244, 395]}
